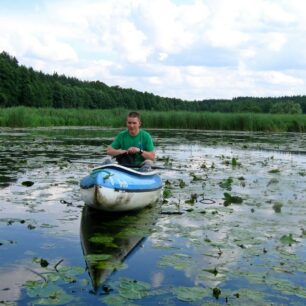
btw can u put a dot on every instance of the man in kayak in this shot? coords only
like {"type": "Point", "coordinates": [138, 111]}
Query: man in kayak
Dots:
{"type": "Point", "coordinates": [133, 146]}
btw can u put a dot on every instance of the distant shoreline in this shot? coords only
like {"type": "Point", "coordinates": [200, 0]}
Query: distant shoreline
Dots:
{"type": "Point", "coordinates": [44, 117]}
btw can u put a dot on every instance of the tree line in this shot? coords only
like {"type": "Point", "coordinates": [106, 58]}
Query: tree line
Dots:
{"type": "Point", "coordinates": [22, 86]}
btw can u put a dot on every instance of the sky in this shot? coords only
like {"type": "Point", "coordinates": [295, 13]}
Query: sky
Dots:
{"type": "Point", "coordinates": [187, 49]}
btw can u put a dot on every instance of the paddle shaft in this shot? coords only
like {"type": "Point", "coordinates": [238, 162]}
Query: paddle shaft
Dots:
{"type": "Point", "coordinates": [125, 165]}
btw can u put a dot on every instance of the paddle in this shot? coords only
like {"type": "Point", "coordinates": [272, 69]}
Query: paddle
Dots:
{"type": "Point", "coordinates": [125, 165]}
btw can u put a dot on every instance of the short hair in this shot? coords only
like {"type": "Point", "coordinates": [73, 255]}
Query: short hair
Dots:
{"type": "Point", "coordinates": [134, 115]}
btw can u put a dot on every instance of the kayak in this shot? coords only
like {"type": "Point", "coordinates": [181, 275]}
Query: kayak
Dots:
{"type": "Point", "coordinates": [115, 188]}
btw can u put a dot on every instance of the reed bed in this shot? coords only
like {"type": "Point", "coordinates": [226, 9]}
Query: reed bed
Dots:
{"type": "Point", "coordinates": [37, 117]}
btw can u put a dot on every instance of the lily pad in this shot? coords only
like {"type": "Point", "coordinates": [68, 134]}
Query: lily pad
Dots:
{"type": "Point", "coordinates": [191, 294]}
{"type": "Point", "coordinates": [229, 199]}
{"type": "Point", "coordinates": [48, 293]}
{"type": "Point", "coordinates": [133, 289]}
{"type": "Point", "coordinates": [176, 261]}
{"type": "Point", "coordinates": [288, 239]}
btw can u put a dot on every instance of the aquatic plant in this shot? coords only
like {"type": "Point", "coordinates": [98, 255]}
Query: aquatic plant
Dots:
{"type": "Point", "coordinates": [33, 117]}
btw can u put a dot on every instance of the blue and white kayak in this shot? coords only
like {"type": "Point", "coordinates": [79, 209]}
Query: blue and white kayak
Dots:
{"type": "Point", "coordinates": [117, 188]}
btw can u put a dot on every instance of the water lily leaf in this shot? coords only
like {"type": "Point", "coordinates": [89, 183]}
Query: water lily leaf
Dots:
{"type": "Point", "coordinates": [288, 239]}
{"type": "Point", "coordinates": [226, 184]}
{"type": "Point", "coordinates": [228, 199]}
{"type": "Point", "coordinates": [212, 271]}
{"type": "Point", "coordinates": [176, 261]}
{"type": "Point", "coordinates": [277, 206]}
{"type": "Point", "coordinates": [116, 300]}
{"type": "Point", "coordinates": [182, 184]}
{"type": "Point", "coordinates": [216, 292]}
{"type": "Point", "coordinates": [167, 193]}
{"type": "Point", "coordinates": [191, 294]}
{"type": "Point", "coordinates": [193, 199]}
{"type": "Point", "coordinates": [48, 293]}
{"type": "Point", "coordinates": [133, 289]}
{"type": "Point", "coordinates": [287, 287]}
{"type": "Point", "coordinates": [273, 181]}
{"type": "Point", "coordinates": [250, 297]}
{"type": "Point", "coordinates": [274, 171]}
{"type": "Point", "coordinates": [71, 271]}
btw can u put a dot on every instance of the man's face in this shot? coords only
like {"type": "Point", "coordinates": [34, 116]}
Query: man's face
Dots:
{"type": "Point", "coordinates": [133, 125]}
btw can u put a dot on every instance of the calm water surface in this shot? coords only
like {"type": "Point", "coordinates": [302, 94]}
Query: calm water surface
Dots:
{"type": "Point", "coordinates": [230, 227]}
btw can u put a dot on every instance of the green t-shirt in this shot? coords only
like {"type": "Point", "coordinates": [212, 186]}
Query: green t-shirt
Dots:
{"type": "Point", "coordinates": [142, 140]}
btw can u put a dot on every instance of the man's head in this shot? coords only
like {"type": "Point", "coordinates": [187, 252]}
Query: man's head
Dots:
{"type": "Point", "coordinates": [133, 123]}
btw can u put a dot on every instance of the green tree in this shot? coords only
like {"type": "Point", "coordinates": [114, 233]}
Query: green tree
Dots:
{"type": "Point", "coordinates": [288, 107]}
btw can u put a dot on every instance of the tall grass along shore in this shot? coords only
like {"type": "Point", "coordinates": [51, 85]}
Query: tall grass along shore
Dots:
{"type": "Point", "coordinates": [37, 117]}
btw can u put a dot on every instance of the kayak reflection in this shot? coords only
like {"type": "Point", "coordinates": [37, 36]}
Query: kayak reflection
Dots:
{"type": "Point", "coordinates": [109, 238]}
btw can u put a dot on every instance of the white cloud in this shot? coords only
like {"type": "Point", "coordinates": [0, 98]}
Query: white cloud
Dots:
{"type": "Point", "coordinates": [192, 50]}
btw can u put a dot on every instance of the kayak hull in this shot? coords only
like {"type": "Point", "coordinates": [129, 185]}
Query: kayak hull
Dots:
{"type": "Point", "coordinates": [117, 188]}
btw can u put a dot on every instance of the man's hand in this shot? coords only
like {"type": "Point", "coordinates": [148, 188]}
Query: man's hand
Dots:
{"type": "Point", "coordinates": [133, 150]}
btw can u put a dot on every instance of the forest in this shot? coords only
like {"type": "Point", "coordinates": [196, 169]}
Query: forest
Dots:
{"type": "Point", "coordinates": [23, 86]}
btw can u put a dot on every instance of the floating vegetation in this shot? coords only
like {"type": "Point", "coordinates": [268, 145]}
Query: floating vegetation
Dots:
{"type": "Point", "coordinates": [176, 261]}
{"type": "Point", "coordinates": [47, 293]}
{"type": "Point", "coordinates": [193, 198]}
{"type": "Point", "coordinates": [195, 177]}
{"type": "Point", "coordinates": [229, 199]}
{"type": "Point", "coordinates": [182, 184]}
{"type": "Point", "coordinates": [133, 289]}
{"type": "Point", "coordinates": [273, 181]}
{"type": "Point", "coordinates": [288, 239]}
{"type": "Point", "coordinates": [199, 249]}
{"type": "Point", "coordinates": [191, 294]}
{"type": "Point", "coordinates": [216, 292]}
{"type": "Point", "coordinates": [277, 207]}
{"type": "Point", "coordinates": [167, 193]}
{"type": "Point", "coordinates": [227, 183]}
{"type": "Point", "coordinates": [274, 171]}
{"type": "Point", "coordinates": [235, 162]}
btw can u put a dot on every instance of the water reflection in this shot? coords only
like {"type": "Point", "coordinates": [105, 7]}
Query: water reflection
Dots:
{"type": "Point", "coordinates": [108, 239]}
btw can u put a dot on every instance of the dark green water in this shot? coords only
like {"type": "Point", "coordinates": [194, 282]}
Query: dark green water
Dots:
{"type": "Point", "coordinates": [230, 227]}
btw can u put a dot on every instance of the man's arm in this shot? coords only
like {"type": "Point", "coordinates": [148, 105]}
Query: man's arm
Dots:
{"type": "Point", "coordinates": [148, 155]}
{"type": "Point", "coordinates": [115, 152]}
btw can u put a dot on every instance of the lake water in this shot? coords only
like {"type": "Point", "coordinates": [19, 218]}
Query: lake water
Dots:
{"type": "Point", "coordinates": [230, 227]}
